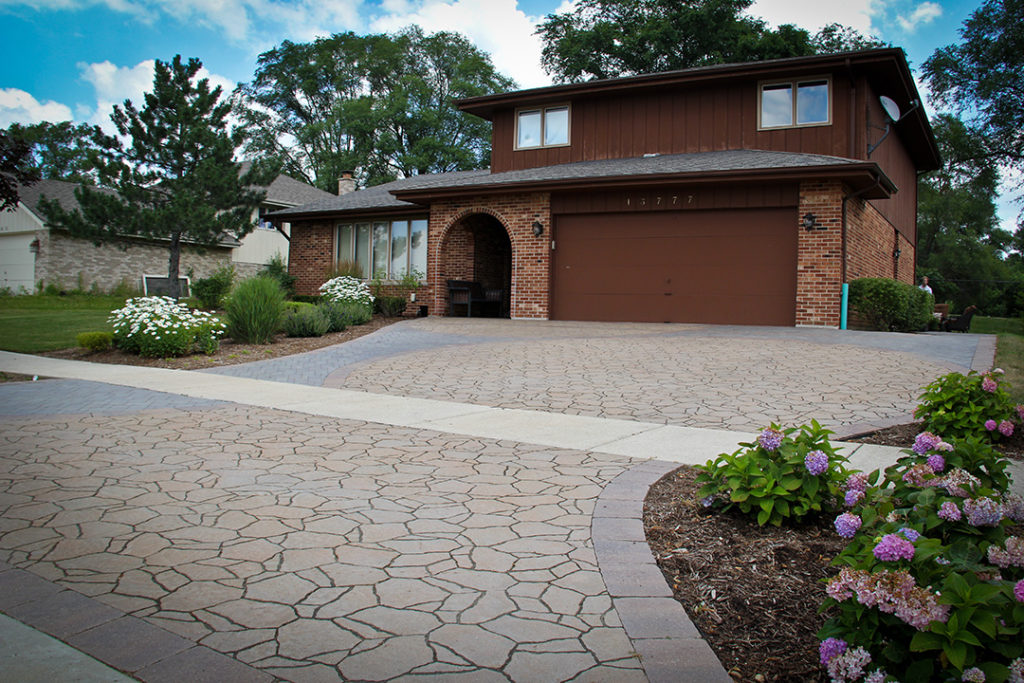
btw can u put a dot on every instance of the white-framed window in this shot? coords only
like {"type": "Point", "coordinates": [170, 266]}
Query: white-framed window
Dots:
{"type": "Point", "coordinates": [261, 222]}
{"type": "Point", "coordinates": [790, 104]}
{"type": "Point", "coordinates": [542, 127]}
{"type": "Point", "coordinates": [388, 248]}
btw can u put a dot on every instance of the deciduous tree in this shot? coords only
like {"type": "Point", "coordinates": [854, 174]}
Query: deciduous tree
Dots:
{"type": "Point", "coordinates": [14, 152]}
{"type": "Point", "coordinates": [60, 151]}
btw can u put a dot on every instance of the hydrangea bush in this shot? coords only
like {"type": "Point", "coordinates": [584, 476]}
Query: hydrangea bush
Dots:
{"type": "Point", "coordinates": [785, 475]}
{"type": "Point", "coordinates": [159, 326]}
{"type": "Point", "coordinates": [931, 584]}
{"type": "Point", "coordinates": [958, 406]}
{"type": "Point", "coordinates": [347, 289]}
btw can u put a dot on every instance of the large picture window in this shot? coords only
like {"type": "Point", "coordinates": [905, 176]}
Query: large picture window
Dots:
{"type": "Point", "coordinates": [384, 248]}
{"type": "Point", "coordinates": [795, 103]}
{"type": "Point", "coordinates": [546, 127]}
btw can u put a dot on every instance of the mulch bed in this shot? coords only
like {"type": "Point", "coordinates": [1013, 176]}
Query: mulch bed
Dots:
{"type": "Point", "coordinates": [753, 592]}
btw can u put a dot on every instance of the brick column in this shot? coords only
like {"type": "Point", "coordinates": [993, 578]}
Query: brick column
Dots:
{"type": "Point", "coordinates": [310, 255]}
{"type": "Point", "coordinates": [819, 255]}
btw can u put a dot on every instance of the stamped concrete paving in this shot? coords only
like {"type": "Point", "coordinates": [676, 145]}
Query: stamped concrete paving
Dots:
{"type": "Point", "coordinates": [312, 548]}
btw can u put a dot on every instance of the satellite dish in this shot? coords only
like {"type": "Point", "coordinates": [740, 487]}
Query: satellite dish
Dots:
{"type": "Point", "coordinates": [892, 110]}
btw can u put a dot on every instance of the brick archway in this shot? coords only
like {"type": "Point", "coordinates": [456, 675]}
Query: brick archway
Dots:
{"type": "Point", "coordinates": [476, 245]}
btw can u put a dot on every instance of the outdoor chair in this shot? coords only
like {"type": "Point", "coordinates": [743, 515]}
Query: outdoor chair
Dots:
{"type": "Point", "coordinates": [961, 323]}
{"type": "Point", "coordinates": [469, 294]}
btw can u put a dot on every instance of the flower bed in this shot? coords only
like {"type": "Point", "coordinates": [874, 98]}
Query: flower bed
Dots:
{"type": "Point", "coordinates": [161, 327]}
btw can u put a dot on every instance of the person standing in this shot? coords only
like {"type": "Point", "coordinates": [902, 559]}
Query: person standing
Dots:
{"type": "Point", "coordinates": [924, 285]}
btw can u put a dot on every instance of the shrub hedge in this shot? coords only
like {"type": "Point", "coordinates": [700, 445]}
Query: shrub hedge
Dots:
{"type": "Point", "coordinates": [891, 306]}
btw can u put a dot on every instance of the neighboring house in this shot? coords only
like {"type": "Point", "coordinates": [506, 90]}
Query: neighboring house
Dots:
{"type": "Point", "coordinates": [31, 253]}
{"type": "Point", "coordinates": [265, 241]}
{"type": "Point", "coordinates": [736, 194]}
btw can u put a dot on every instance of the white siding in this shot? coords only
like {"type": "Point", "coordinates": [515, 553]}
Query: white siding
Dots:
{"type": "Point", "coordinates": [17, 262]}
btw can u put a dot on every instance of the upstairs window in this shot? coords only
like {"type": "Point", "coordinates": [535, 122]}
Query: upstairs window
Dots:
{"type": "Point", "coordinates": [547, 127]}
{"type": "Point", "coordinates": [795, 103]}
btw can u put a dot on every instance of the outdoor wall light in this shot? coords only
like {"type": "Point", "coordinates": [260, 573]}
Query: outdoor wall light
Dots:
{"type": "Point", "coordinates": [538, 229]}
{"type": "Point", "coordinates": [896, 254]}
{"type": "Point", "coordinates": [810, 222]}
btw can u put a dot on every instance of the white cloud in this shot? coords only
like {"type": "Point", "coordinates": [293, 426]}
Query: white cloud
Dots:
{"type": "Point", "coordinates": [18, 106]}
{"type": "Point", "coordinates": [814, 15]}
{"type": "Point", "coordinates": [497, 27]}
{"type": "Point", "coordinates": [924, 13]}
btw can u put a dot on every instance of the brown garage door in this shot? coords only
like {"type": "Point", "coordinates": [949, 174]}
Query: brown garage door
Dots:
{"type": "Point", "coordinates": [719, 266]}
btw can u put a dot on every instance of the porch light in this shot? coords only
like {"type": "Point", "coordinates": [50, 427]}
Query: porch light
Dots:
{"type": "Point", "coordinates": [896, 254]}
{"type": "Point", "coordinates": [538, 229]}
{"type": "Point", "coordinates": [810, 222]}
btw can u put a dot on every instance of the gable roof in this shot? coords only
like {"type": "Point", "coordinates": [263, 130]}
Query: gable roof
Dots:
{"type": "Point", "coordinates": [697, 167]}
{"type": "Point", "coordinates": [286, 191]}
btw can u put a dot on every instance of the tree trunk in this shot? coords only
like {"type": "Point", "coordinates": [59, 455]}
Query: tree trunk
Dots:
{"type": "Point", "coordinates": [173, 260]}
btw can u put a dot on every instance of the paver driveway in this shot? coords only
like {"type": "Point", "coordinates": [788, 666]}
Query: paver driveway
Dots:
{"type": "Point", "coordinates": [313, 548]}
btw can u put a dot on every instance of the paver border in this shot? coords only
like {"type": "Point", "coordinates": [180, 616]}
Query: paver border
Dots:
{"type": "Point", "coordinates": [669, 645]}
{"type": "Point", "coordinates": [128, 644]}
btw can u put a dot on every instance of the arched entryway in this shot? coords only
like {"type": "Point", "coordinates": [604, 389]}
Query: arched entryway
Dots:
{"type": "Point", "coordinates": [477, 249]}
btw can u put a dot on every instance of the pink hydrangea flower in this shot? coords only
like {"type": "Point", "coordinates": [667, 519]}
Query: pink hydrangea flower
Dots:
{"type": "Point", "coordinates": [857, 482]}
{"type": "Point", "coordinates": [893, 547]}
{"type": "Point", "coordinates": [949, 512]}
{"type": "Point", "coordinates": [1006, 428]}
{"type": "Point", "coordinates": [1020, 411]}
{"type": "Point", "coordinates": [982, 512]}
{"type": "Point", "coordinates": [973, 675]}
{"type": "Point", "coordinates": [990, 425]}
{"type": "Point", "coordinates": [1018, 591]}
{"type": "Point", "coordinates": [924, 442]}
{"type": "Point", "coordinates": [988, 384]}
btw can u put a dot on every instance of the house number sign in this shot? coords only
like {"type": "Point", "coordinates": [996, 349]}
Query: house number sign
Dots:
{"type": "Point", "coordinates": [660, 201]}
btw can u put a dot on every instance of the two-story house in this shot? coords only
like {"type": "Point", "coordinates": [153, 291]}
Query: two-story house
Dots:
{"type": "Point", "coordinates": [739, 193]}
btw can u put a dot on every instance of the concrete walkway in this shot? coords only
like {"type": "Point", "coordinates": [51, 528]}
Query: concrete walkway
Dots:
{"type": "Point", "coordinates": [242, 529]}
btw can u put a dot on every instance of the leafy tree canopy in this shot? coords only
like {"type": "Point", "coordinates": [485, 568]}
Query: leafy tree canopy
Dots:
{"type": "Point", "coordinates": [14, 170]}
{"type": "Point", "coordinates": [381, 105]}
{"type": "Point", "coordinates": [611, 38]}
{"type": "Point", "coordinates": [960, 245]}
{"type": "Point", "coordinates": [176, 178]}
{"type": "Point", "coordinates": [60, 151]}
{"type": "Point", "coordinates": [983, 78]}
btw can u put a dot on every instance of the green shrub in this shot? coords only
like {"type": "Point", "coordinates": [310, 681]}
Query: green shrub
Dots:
{"type": "Point", "coordinates": [292, 306]}
{"type": "Point", "coordinates": [342, 315]}
{"type": "Point", "coordinates": [930, 584]}
{"type": "Point", "coordinates": [277, 269]}
{"type": "Point", "coordinates": [308, 299]}
{"type": "Point", "coordinates": [389, 306]}
{"type": "Point", "coordinates": [959, 406]}
{"type": "Point", "coordinates": [779, 478]}
{"type": "Point", "coordinates": [255, 310]}
{"type": "Point", "coordinates": [95, 341]}
{"type": "Point", "coordinates": [889, 305]}
{"type": "Point", "coordinates": [125, 289]}
{"type": "Point", "coordinates": [308, 321]}
{"type": "Point", "coordinates": [211, 291]}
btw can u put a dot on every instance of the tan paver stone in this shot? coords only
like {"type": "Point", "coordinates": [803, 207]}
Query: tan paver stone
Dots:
{"type": "Point", "coordinates": [286, 589]}
{"type": "Point", "coordinates": [561, 666]}
{"type": "Point", "coordinates": [477, 579]}
{"type": "Point", "coordinates": [397, 656]}
{"type": "Point", "coordinates": [174, 557]}
{"type": "Point", "coordinates": [233, 641]}
{"type": "Point", "coordinates": [490, 606]}
{"type": "Point", "coordinates": [102, 562]}
{"type": "Point", "coordinates": [303, 638]}
{"type": "Point", "coordinates": [402, 593]}
{"type": "Point", "coordinates": [198, 595]}
{"type": "Point", "coordinates": [334, 525]}
{"type": "Point", "coordinates": [399, 622]}
{"type": "Point", "coordinates": [255, 551]}
{"type": "Point", "coordinates": [139, 584]}
{"type": "Point", "coordinates": [585, 582]}
{"type": "Point", "coordinates": [298, 559]}
{"type": "Point", "coordinates": [254, 614]}
{"type": "Point", "coordinates": [474, 644]}
{"type": "Point", "coordinates": [353, 575]}
{"type": "Point", "coordinates": [528, 630]}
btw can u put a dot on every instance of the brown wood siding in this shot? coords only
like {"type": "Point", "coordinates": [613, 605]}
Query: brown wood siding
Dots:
{"type": "Point", "coordinates": [894, 160]}
{"type": "Point", "coordinates": [706, 266]}
{"type": "Point", "coordinates": [677, 198]}
{"type": "Point", "coordinates": [673, 121]}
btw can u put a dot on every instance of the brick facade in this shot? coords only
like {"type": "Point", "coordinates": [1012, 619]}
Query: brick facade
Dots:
{"type": "Point", "coordinates": [311, 254]}
{"type": "Point", "coordinates": [871, 244]}
{"type": "Point", "coordinates": [68, 262]}
{"type": "Point", "coordinates": [819, 255]}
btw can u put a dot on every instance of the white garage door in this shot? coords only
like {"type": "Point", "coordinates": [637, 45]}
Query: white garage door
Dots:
{"type": "Point", "coordinates": [17, 263]}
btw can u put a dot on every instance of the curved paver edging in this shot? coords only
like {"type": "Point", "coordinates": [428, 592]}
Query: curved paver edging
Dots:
{"type": "Point", "coordinates": [669, 645]}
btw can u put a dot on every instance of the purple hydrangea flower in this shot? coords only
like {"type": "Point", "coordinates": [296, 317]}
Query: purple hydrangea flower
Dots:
{"type": "Point", "coordinates": [1018, 591]}
{"type": "Point", "coordinates": [829, 648]}
{"type": "Point", "coordinates": [1013, 506]}
{"type": "Point", "coordinates": [990, 425]}
{"type": "Point", "coordinates": [924, 442]}
{"type": "Point", "coordinates": [936, 462]}
{"type": "Point", "coordinates": [910, 534]}
{"type": "Point", "coordinates": [770, 439]}
{"type": "Point", "coordinates": [850, 665]}
{"type": "Point", "coordinates": [919, 475]}
{"type": "Point", "coordinates": [982, 512]}
{"type": "Point", "coordinates": [973, 675]}
{"type": "Point", "coordinates": [1006, 428]}
{"type": "Point", "coordinates": [853, 497]}
{"type": "Point", "coordinates": [876, 676]}
{"type": "Point", "coordinates": [944, 446]}
{"type": "Point", "coordinates": [847, 525]}
{"type": "Point", "coordinates": [949, 512]}
{"type": "Point", "coordinates": [816, 463]}
{"type": "Point", "coordinates": [1020, 411]}
{"type": "Point", "coordinates": [1010, 555]}
{"type": "Point", "coordinates": [857, 482]}
{"type": "Point", "coordinates": [707, 501]}
{"type": "Point", "coordinates": [893, 547]}
{"type": "Point", "coordinates": [988, 384]}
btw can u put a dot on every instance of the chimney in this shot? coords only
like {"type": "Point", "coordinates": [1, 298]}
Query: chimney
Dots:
{"type": "Point", "coordinates": [346, 183]}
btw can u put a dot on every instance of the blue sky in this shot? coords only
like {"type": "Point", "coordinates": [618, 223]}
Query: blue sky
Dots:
{"type": "Point", "coordinates": [63, 59]}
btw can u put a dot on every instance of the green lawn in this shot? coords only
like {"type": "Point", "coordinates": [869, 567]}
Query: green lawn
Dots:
{"type": "Point", "coordinates": [30, 324]}
{"type": "Point", "coordinates": [986, 325]}
{"type": "Point", "coordinates": [1009, 349]}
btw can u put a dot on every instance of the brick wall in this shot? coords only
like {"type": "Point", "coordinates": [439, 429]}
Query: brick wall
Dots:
{"type": "Point", "coordinates": [451, 249]}
{"type": "Point", "coordinates": [870, 243]}
{"type": "Point", "coordinates": [311, 254]}
{"type": "Point", "coordinates": [63, 259]}
{"type": "Point", "coordinates": [819, 255]}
